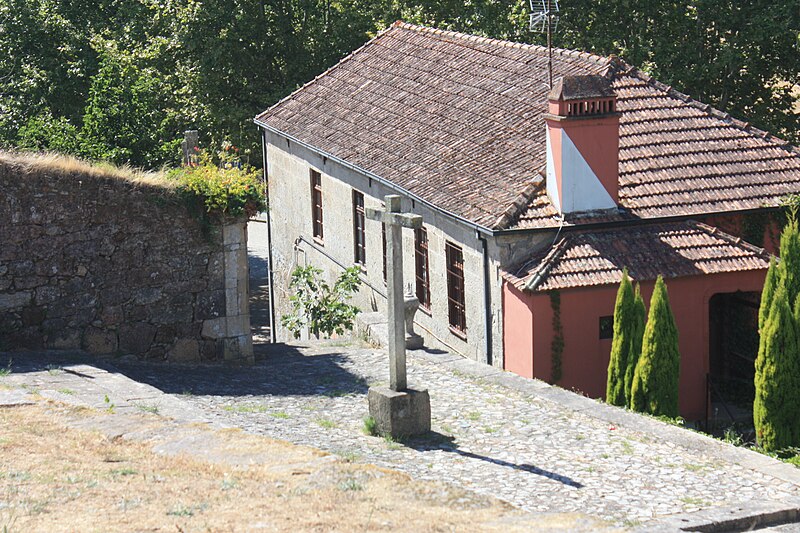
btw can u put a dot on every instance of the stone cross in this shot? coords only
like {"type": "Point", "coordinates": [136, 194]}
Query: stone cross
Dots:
{"type": "Point", "coordinates": [396, 221]}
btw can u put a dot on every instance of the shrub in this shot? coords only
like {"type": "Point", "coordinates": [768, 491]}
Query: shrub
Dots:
{"type": "Point", "coordinates": [655, 380]}
{"type": "Point", "coordinates": [223, 188]}
{"type": "Point", "coordinates": [624, 322]}
{"type": "Point", "coordinates": [320, 307]}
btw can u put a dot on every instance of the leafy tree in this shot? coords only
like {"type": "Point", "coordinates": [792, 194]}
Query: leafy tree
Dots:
{"type": "Point", "coordinates": [640, 319]}
{"type": "Point", "coordinates": [125, 120]}
{"type": "Point", "coordinates": [777, 378]}
{"type": "Point", "coordinates": [318, 306]}
{"type": "Point", "coordinates": [624, 323]}
{"type": "Point", "coordinates": [655, 380]}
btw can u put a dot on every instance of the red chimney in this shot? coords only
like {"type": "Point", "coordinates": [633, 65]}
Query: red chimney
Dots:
{"type": "Point", "coordinates": [582, 144]}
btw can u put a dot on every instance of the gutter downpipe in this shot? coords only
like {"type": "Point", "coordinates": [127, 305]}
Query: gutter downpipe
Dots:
{"type": "Point", "coordinates": [270, 278]}
{"type": "Point", "coordinates": [487, 300]}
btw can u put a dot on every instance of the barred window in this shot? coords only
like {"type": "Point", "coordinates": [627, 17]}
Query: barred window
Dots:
{"type": "Point", "coordinates": [455, 287]}
{"type": "Point", "coordinates": [316, 204]}
{"type": "Point", "coordinates": [359, 233]}
{"type": "Point", "coordinates": [421, 267]}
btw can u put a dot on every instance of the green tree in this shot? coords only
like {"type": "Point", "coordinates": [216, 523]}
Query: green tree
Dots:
{"type": "Point", "coordinates": [640, 319]}
{"type": "Point", "coordinates": [318, 306]}
{"type": "Point", "coordinates": [777, 378]}
{"type": "Point", "coordinates": [768, 292]}
{"type": "Point", "coordinates": [624, 322]}
{"type": "Point", "coordinates": [655, 381]}
{"type": "Point", "coordinates": [790, 259]}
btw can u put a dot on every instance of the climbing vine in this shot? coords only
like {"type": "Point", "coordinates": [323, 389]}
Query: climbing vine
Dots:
{"type": "Point", "coordinates": [557, 346]}
{"type": "Point", "coordinates": [754, 226]}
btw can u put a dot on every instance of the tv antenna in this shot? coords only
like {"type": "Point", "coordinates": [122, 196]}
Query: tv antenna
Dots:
{"type": "Point", "coordinates": [544, 19]}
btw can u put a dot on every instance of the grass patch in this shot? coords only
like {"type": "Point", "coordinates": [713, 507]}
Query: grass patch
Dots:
{"type": "Point", "coordinates": [66, 391]}
{"type": "Point", "coordinates": [474, 416]}
{"type": "Point", "coordinates": [244, 408]}
{"type": "Point", "coordinates": [326, 423]}
{"type": "Point", "coordinates": [350, 484]}
{"type": "Point", "coordinates": [694, 501]}
{"type": "Point", "coordinates": [370, 426]}
{"type": "Point", "coordinates": [6, 370]}
{"type": "Point", "coordinates": [279, 414]}
{"type": "Point", "coordinates": [148, 408]}
{"type": "Point", "coordinates": [627, 449]}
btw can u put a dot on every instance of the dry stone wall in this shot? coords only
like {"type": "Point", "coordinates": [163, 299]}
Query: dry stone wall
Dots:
{"type": "Point", "coordinates": [91, 260]}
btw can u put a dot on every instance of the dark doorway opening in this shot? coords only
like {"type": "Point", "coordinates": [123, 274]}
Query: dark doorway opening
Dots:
{"type": "Point", "coordinates": [733, 336]}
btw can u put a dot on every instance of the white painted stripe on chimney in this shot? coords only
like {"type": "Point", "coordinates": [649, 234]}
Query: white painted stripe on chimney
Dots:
{"type": "Point", "coordinates": [580, 187]}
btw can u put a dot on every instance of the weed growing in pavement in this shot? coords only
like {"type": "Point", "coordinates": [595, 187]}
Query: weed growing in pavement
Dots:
{"type": "Point", "coordinates": [474, 416]}
{"type": "Point", "coordinates": [370, 426]}
{"type": "Point", "coordinates": [6, 370]}
{"type": "Point", "coordinates": [109, 406]}
{"type": "Point", "coordinates": [392, 444]}
{"type": "Point", "coordinates": [54, 370]}
{"type": "Point", "coordinates": [326, 423]}
{"type": "Point", "coordinates": [66, 391]}
{"type": "Point", "coordinates": [279, 414]}
{"type": "Point", "coordinates": [148, 408]}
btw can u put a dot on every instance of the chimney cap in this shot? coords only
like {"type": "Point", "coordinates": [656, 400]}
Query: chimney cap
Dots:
{"type": "Point", "coordinates": [581, 88]}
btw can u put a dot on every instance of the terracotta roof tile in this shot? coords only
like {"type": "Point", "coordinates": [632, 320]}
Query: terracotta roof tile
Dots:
{"type": "Point", "coordinates": [590, 258]}
{"type": "Point", "coordinates": [457, 120]}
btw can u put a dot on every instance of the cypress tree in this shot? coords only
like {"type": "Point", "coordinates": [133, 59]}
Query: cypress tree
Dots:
{"type": "Point", "coordinates": [790, 259]}
{"type": "Point", "coordinates": [777, 380]}
{"type": "Point", "coordinates": [655, 380]}
{"type": "Point", "coordinates": [620, 345]}
{"type": "Point", "coordinates": [773, 276]}
{"type": "Point", "coordinates": [640, 319]}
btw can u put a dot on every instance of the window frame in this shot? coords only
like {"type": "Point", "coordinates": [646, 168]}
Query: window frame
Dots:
{"type": "Point", "coordinates": [317, 218]}
{"type": "Point", "coordinates": [359, 229]}
{"type": "Point", "coordinates": [456, 301]}
{"type": "Point", "coordinates": [422, 273]}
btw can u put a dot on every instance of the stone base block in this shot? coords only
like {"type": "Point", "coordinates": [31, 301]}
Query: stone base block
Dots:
{"type": "Point", "coordinates": [413, 342]}
{"type": "Point", "coordinates": [400, 414]}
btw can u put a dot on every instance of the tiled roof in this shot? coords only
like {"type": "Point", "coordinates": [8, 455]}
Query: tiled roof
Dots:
{"type": "Point", "coordinates": [458, 121]}
{"type": "Point", "coordinates": [590, 258]}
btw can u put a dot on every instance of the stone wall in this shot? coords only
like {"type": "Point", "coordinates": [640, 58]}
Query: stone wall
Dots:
{"type": "Point", "coordinates": [108, 262]}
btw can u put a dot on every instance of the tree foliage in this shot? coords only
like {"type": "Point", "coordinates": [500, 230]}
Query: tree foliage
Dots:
{"type": "Point", "coordinates": [213, 65]}
{"type": "Point", "coordinates": [655, 380]}
{"type": "Point", "coordinates": [777, 378]}
{"type": "Point", "coordinates": [318, 306]}
{"type": "Point", "coordinates": [624, 324]}
{"type": "Point", "coordinates": [640, 320]}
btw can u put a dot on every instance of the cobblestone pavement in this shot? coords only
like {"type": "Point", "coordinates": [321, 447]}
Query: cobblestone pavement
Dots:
{"type": "Point", "coordinates": [538, 447]}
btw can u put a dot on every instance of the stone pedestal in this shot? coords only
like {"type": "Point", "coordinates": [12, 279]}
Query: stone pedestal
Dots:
{"type": "Point", "coordinates": [411, 304]}
{"type": "Point", "coordinates": [400, 414]}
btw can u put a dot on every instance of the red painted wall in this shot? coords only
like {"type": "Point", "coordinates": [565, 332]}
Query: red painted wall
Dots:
{"type": "Point", "coordinates": [585, 356]}
{"type": "Point", "coordinates": [733, 224]}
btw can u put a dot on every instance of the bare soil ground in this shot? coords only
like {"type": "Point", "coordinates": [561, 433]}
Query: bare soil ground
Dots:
{"type": "Point", "coordinates": [57, 477]}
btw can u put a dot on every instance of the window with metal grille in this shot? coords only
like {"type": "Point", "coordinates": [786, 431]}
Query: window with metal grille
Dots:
{"type": "Point", "coordinates": [455, 287]}
{"type": "Point", "coordinates": [316, 204]}
{"type": "Point", "coordinates": [421, 267]}
{"type": "Point", "coordinates": [359, 234]}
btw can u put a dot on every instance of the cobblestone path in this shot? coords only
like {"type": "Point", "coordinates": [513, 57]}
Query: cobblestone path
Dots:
{"type": "Point", "coordinates": [535, 446]}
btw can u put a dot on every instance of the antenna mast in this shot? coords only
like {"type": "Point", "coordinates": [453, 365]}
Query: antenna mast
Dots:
{"type": "Point", "coordinates": [544, 18]}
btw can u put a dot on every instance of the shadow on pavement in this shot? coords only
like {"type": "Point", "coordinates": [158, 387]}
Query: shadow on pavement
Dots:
{"type": "Point", "coordinates": [438, 441]}
{"type": "Point", "coordinates": [280, 370]}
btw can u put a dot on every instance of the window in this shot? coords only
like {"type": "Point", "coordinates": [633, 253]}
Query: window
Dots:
{"type": "Point", "coordinates": [421, 267]}
{"type": "Point", "coordinates": [316, 204]}
{"type": "Point", "coordinates": [606, 327]}
{"type": "Point", "coordinates": [359, 235]}
{"type": "Point", "coordinates": [455, 287]}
